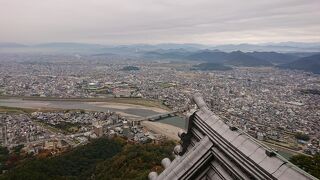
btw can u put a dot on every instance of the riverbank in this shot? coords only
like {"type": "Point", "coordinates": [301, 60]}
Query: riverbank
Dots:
{"type": "Point", "coordinates": [130, 110]}
{"type": "Point", "coordinates": [133, 101]}
{"type": "Point", "coordinates": [170, 131]}
{"type": "Point", "coordinates": [6, 109]}
{"type": "Point", "coordinates": [122, 106]}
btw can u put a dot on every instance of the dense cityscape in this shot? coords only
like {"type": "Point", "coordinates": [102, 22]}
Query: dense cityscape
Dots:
{"type": "Point", "coordinates": [271, 104]}
{"type": "Point", "coordinates": [159, 90]}
{"type": "Point", "coordinates": [56, 132]}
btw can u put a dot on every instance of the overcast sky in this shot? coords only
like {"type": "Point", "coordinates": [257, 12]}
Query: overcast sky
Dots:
{"type": "Point", "coordinates": [159, 21]}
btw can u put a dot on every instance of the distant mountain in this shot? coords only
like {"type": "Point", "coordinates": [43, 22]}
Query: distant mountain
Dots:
{"type": "Point", "coordinates": [158, 51]}
{"type": "Point", "coordinates": [186, 46]}
{"type": "Point", "coordinates": [238, 58]}
{"type": "Point", "coordinates": [274, 57]}
{"type": "Point", "coordinates": [130, 68]}
{"type": "Point", "coordinates": [134, 48]}
{"type": "Point", "coordinates": [12, 45]}
{"type": "Point", "coordinates": [139, 49]}
{"type": "Point", "coordinates": [302, 54]}
{"type": "Point", "coordinates": [211, 66]}
{"type": "Point", "coordinates": [235, 58]}
{"type": "Point", "coordinates": [167, 54]}
{"type": "Point", "coordinates": [58, 47]}
{"type": "Point", "coordinates": [67, 45]}
{"type": "Point", "coordinates": [295, 44]}
{"type": "Point", "coordinates": [309, 64]}
{"type": "Point", "coordinates": [209, 56]}
{"type": "Point", "coordinates": [105, 55]}
{"type": "Point", "coordinates": [276, 47]}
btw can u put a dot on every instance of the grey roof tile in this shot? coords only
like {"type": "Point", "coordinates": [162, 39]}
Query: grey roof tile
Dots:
{"type": "Point", "coordinates": [222, 129]}
{"type": "Point", "coordinates": [280, 171]}
{"type": "Point", "coordinates": [271, 164]}
{"type": "Point", "coordinates": [248, 147]}
{"type": "Point", "coordinates": [211, 123]}
{"type": "Point", "coordinates": [291, 174]}
{"type": "Point", "coordinates": [258, 155]}
{"type": "Point", "coordinates": [230, 135]}
{"type": "Point", "coordinates": [212, 144]}
{"type": "Point", "coordinates": [239, 140]}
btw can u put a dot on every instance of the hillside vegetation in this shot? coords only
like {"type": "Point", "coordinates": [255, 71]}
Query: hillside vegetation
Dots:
{"type": "Point", "coordinates": [101, 159]}
{"type": "Point", "coordinates": [309, 64]}
{"type": "Point", "coordinates": [308, 164]}
{"type": "Point", "coordinates": [134, 162]}
{"type": "Point", "coordinates": [211, 66]}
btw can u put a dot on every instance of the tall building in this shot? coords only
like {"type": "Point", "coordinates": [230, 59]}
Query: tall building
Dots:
{"type": "Point", "coordinates": [213, 150]}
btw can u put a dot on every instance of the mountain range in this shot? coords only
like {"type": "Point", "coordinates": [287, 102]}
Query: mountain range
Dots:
{"type": "Point", "coordinates": [310, 64]}
{"type": "Point", "coordinates": [289, 55]}
{"type": "Point", "coordinates": [236, 58]}
{"type": "Point", "coordinates": [99, 48]}
{"type": "Point", "coordinates": [218, 59]}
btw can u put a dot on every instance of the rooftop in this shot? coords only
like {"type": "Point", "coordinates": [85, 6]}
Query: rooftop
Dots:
{"type": "Point", "coordinates": [211, 149]}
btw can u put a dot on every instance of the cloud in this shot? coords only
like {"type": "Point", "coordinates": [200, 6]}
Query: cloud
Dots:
{"type": "Point", "coordinates": [154, 21]}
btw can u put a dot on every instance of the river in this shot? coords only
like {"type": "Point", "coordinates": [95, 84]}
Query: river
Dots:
{"type": "Point", "coordinates": [129, 111]}
{"type": "Point", "coordinates": [137, 111]}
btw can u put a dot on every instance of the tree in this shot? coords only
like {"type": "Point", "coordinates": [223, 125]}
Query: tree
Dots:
{"type": "Point", "coordinates": [4, 155]}
{"type": "Point", "coordinates": [135, 161]}
{"type": "Point", "coordinates": [302, 136]}
{"type": "Point", "coordinates": [76, 164]}
{"type": "Point", "coordinates": [308, 164]}
{"type": "Point", "coordinates": [17, 149]}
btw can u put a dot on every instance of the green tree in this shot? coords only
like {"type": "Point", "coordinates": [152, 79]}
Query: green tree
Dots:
{"type": "Point", "coordinates": [308, 164]}
{"type": "Point", "coordinates": [302, 136]}
{"type": "Point", "coordinates": [4, 155]}
{"type": "Point", "coordinates": [17, 149]}
{"type": "Point", "coordinates": [76, 164]}
{"type": "Point", "coordinates": [135, 161]}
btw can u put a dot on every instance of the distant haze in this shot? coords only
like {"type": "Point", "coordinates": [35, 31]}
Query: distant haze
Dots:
{"type": "Point", "coordinates": [159, 21]}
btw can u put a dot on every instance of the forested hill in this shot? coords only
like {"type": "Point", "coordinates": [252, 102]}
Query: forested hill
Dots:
{"type": "Point", "coordinates": [101, 159]}
{"type": "Point", "coordinates": [309, 64]}
{"type": "Point", "coordinates": [136, 161]}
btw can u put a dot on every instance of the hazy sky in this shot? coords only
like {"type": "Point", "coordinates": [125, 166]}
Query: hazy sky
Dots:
{"type": "Point", "coordinates": [159, 21]}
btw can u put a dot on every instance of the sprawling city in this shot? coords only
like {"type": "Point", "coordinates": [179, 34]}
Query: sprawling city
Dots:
{"type": "Point", "coordinates": [152, 92]}
{"type": "Point", "coordinates": [273, 105]}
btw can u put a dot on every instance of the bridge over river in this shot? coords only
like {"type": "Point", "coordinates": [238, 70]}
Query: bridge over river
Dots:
{"type": "Point", "coordinates": [158, 117]}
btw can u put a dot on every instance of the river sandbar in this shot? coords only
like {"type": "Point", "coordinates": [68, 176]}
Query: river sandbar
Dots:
{"type": "Point", "coordinates": [165, 129]}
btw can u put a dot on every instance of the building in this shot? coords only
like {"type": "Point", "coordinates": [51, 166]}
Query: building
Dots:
{"type": "Point", "coordinates": [98, 130]}
{"type": "Point", "coordinates": [212, 150]}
